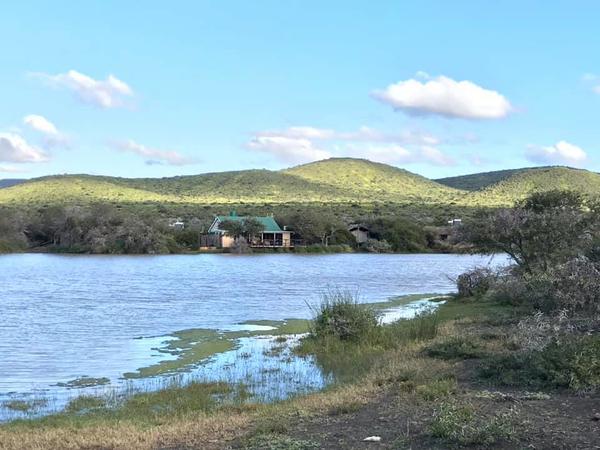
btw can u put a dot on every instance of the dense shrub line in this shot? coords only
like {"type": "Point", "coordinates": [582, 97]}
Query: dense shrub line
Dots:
{"type": "Point", "coordinates": [553, 239]}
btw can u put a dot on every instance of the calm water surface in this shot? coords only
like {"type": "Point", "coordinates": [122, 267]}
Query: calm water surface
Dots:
{"type": "Point", "coordinates": [63, 317]}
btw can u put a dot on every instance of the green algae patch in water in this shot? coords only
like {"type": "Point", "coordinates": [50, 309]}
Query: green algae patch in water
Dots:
{"type": "Point", "coordinates": [281, 327]}
{"type": "Point", "coordinates": [84, 382]}
{"type": "Point", "coordinates": [189, 347]}
{"type": "Point", "coordinates": [406, 299]}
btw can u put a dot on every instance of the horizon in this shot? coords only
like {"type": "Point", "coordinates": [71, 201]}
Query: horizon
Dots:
{"type": "Point", "coordinates": [291, 167]}
{"type": "Point", "coordinates": [271, 86]}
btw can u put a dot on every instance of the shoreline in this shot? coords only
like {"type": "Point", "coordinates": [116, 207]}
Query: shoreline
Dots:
{"type": "Point", "coordinates": [409, 396]}
{"type": "Point", "coordinates": [188, 354]}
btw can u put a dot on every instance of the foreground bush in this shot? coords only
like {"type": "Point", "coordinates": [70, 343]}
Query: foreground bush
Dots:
{"type": "Point", "coordinates": [341, 316]}
{"type": "Point", "coordinates": [573, 362]}
{"type": "Point", "coordinates": [475, 282]}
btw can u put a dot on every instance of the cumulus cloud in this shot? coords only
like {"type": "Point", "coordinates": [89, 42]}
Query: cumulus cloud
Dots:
{"type": "Point", "coordinates": [52, 137]}
{"type": "Point", "coordinates": [562, 152]}
{"type": "Point", "coordinates": [108, 93]}
{"type": "Point", "coordinates": [153, 156]}
{"type": "Point", "coordinates": [288, 149]}
{"type": "Point", "coordinates": [15, 149]}
{"type": "Point", "coordinates": [445, 97]}
{"type": "Point", "coordinates": [41, 124]}
{"type": "Point", "coordinates": [303, 143]}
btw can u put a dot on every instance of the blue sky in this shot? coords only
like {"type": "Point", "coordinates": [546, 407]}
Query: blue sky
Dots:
{"type": "Point", "coordinates": [168, 88]}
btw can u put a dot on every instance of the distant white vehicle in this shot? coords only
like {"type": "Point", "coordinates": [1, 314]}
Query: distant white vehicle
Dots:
{"type": "Point", "coordinates": [177, 224]}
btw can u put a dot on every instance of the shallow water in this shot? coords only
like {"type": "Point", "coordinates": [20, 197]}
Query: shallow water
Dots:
{"type": "Point", "coordinates": [65, 317]}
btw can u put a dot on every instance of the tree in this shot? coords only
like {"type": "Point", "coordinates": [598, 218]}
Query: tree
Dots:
{"type": "Point", "coordinates": [543, 230]}
{"type": "Point", "coordinates": [402, 234]}
{"type": "Point", "coordinates": [252, 227]}
{"type": "Point", "coordinates": [233, 228]}
{"type": "Point", "coordinates": [313, 227]}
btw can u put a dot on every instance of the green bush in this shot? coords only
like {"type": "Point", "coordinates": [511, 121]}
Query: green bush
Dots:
{"type": "Point", "coordinates": [340, 315]}
{"type": "Point", "coordinates": [572, 363]}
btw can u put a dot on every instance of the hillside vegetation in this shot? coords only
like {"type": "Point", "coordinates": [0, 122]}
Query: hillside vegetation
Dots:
{"type": "Point", "coordinates": [343, 185]}
{"type": "Point", "coordinates": [374, 181]}
{"type": "Point", "coordinates": [482, 180]}
{"type": "Point", "coordinates": [524, 183]}
{"type": "Point", "coordinates": [326, 182]}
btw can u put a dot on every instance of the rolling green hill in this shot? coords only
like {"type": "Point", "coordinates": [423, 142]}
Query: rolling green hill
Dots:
{"type": "Point", "coordinates": [375, 181]}
{"type": "Point", "coordinates": [339, 182]}
{"type": "Point", "coordinates": [478, 181]}
{"type": "Point", "coordinates": [330, 181]}
{"type": "Point", "coordinates": [524, 182]}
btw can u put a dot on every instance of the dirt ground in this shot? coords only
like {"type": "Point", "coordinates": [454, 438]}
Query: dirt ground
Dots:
{"type": "Point", "coordinates": [560, 422]}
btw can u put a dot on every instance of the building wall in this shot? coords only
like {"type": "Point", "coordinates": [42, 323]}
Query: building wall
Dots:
{"type": "Point", "coordinates": [287, 238]}
{"type": "Point", "coordinates": [227, 241]}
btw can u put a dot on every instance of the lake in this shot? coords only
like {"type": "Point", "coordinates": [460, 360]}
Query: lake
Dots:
{"type": "Point", "coordinates": [63, 317]}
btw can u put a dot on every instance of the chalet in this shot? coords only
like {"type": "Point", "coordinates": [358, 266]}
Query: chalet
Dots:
{"type": "Point", "coordinates": [271, 236]}
{"type": "Point", "coordinates": [360, 233]}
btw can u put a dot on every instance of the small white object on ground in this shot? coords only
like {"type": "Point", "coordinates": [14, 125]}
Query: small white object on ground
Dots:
{"type": "Point", "coordinates": [372, 439]}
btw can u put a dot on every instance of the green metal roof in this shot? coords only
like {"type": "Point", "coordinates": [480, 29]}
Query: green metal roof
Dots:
{"type": "Point", "coordinates": [268, 222]}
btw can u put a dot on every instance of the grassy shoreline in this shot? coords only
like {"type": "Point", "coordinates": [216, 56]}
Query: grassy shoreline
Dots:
{"type": "Point", "coordinates": [418, 393]}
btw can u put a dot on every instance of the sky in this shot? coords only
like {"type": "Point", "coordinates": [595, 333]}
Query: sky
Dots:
{"type": "Point", "coordinates": [155, 88]}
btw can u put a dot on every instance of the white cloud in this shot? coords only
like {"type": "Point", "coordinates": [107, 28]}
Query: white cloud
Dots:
{"type": "Point", "coordinates": [445, 97]}
{"type": "Point", "coordinates": [363, 134]}
{"type": "Point", "coordinates": [153, 156]}
{"type": "Point", "coordinates": [13, 148]}
{"type": "Point", "coordinates": [41, 124]}
{"type": "Point", "coordinates": [561, 153]}
{"type": "Point", "coordinates": [302, 143]}
{"type": "Point", "coordinates": [288, 149]}
{"type": "Point", "coordinates": [52, 137]}
{"type": "Point", "coordinates": [109, 93]}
